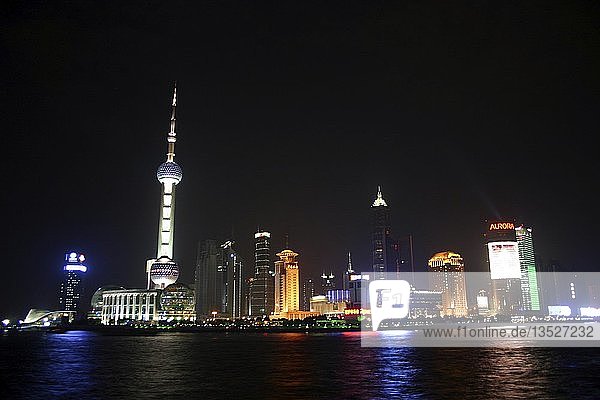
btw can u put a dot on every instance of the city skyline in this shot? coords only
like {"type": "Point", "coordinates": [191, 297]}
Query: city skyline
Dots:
{"type": "Point", "coordinates": [451, 139]}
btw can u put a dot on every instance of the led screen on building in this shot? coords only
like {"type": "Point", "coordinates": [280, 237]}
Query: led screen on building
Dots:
{"type": "Point", "coordinates": [504, 260]}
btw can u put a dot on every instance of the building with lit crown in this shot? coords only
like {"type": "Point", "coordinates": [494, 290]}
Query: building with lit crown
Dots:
{"type": "Point", "coordinates": [71, 287]}
{"type": "Point", "coordinates": [447, 275]}
{"type": "Point", "coordinates": [262, 290]}
{"type": "Point", "coordinates": [287, 283]}
{"type": "Point", "coordinates": [386, 251]}
{"type": "Point", "coordinates": [504, 266]}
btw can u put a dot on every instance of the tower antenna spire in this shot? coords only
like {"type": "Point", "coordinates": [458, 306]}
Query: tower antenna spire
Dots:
{"type": "Point", "coordinates": [172, 136]}
{"type": "Point", "coordinates": [350, 269]}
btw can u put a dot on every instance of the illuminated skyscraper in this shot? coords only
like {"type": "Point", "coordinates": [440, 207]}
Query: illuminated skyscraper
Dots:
{"type": "Point", "coordinates": [386, 257]}
{"type": "Point", "coordinates": [529, 283]}
{"type": "Point", "coordinates": [163, 271]}
{"type": "Point", "coordinates": [287, 283]}
{"type": "Point", "coordinates": [71, 287]}
{"type": "Point", "coordinates": [447, 275]}
{"type": "Point", "coordinates": [234, 280]}
{"type": "Point", "coordinates": [505, 270]}
{"type": "Point", "coordinates": [262, 296]}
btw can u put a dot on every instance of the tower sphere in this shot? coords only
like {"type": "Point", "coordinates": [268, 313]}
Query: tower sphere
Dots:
{"type": "Point", "coordinates": [164, 272]}
{"type": "Point", "coordinates": [169, 171]}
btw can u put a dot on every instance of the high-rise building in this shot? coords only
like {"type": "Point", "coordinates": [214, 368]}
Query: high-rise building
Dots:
{"type": "Point", "coordinates": [71, 287]}
{"type": "Point", "coordinates": [209, 280]}
{"type": "Point", "coordinates": [447, 275]}
{"type": "Point", "coordinates": [163, 270]}
{"type": "Point", "coordinates": [262, 296]}
{"type": "Point", "coordinates": [505, 268]}
{"type": "Point", "coordinates": [219, 280]}
{"type": "Point", "coordinates": [386, 252]}
{"type": "Point", "coordinates": [287, 283]}
{"type": "Point", "coordinates": [529, 282]}
{"type": "Point", "coordinates": [234, 280]}
{"type": "Point", "coordinates": [308, 291]}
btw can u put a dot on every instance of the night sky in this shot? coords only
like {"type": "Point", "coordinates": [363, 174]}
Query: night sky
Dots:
{"type": "Point", "coordinates": [290, 114]}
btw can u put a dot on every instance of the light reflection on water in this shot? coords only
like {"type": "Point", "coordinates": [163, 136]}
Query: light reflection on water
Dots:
{"type": "Point", "coordinates": [283, 365]}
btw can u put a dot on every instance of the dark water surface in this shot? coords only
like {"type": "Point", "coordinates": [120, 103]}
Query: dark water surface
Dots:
{"type": "Point", "coordinates": [88, 365]}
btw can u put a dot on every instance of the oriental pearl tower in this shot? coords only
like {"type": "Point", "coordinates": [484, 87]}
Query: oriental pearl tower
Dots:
{"type": "Point", "coordinates": [163, 271]}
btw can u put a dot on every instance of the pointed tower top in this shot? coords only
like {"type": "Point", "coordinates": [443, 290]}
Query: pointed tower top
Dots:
{"type": "Point", "coordinates": [172, 136]}
{"type": "Point", "coordinates": [379, 201]}
{"type": "Point", "coordinates": [175, 94]}
{"type": "Point", "coordinates": [350, 269]}
{"type": "Point", "coordinates": [170, 171]}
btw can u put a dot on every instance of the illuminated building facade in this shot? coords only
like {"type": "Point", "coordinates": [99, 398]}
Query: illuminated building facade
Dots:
{"type": "Point", "coordinates": [386, 252]}
{"type": "Point", "coordinates": [120, 306]}
{"type": "Point", "coordinates": [425, 304]}
{"type": "Point", "coordinates": [177, 302]}
{"type": "Point", "coordinates": [337, 295]}
{"type": "Point", "coordinates": [447, 275]}
{"type": "Point", "coordinates": [262, 295]}
{"type": "Point", "coordinates": [287, 283]}
{"type": "Point", "coordinates": [505, 268]}
{"type": "Point", "coordinates": [97, 303]}
{"type": "Point", "coordinates": [163, 271]}
{"type": "Point", "coordinates": [529, 283]}
{"type": "Point", "coordinates": [358, 283]}
{"type": "Point", "coordinates": [219, 280]}
{"type": "Point", "coordinates": [71, 287]}
{"type": "Point", "coordinates": [321, 306]}
{"type": "Point", "coordinates": [234, 279]}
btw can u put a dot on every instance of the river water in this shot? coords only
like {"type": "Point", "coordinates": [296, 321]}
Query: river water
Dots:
{"type": "Point", "coordinates": [88, 365]}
